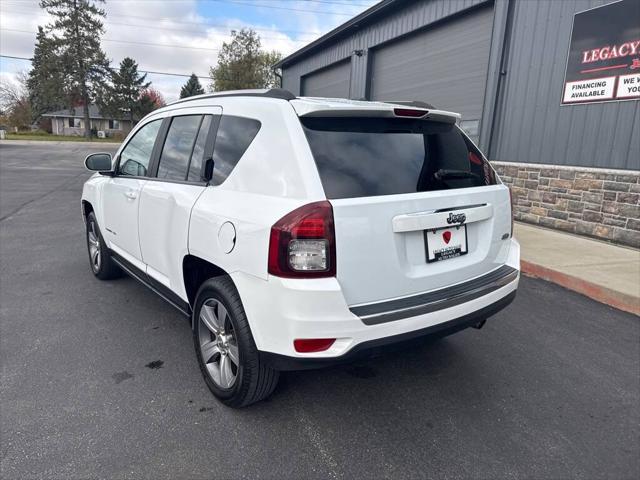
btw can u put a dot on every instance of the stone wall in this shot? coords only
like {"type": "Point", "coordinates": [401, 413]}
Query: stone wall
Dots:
{"type": "Point", "coordinates": [599, 203]}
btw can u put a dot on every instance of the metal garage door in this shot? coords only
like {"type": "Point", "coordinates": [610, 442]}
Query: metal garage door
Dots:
{"type": "Point", "coordinates": [445, 66]}
{"type": "Point", "coordinates": [332, 81]}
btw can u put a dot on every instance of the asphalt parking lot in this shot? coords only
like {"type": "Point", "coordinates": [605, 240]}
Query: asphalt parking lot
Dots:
{"type": "Point", "coordinates": [100, 380]}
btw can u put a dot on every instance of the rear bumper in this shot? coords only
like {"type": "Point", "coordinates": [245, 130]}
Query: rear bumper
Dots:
{"type": "Point", "coordinates": [282, 310]}
{"type": "Point", "coordinates": [375, 347]}
{"type": "Point", "coordinates": [389, 311]}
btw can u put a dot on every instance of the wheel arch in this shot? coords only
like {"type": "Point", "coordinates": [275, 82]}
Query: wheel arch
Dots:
{"type": "Point", "coordinates": [196, 271]}
{"type": "Point", "coordinates": [87, 208]}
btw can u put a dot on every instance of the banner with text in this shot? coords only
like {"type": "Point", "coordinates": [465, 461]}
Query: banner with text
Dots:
{"type": "Point", "coordinates": [604, 55]}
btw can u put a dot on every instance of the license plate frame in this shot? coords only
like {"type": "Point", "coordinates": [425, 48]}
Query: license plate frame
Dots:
{"type": "Point", "coordinates": [440, 252]}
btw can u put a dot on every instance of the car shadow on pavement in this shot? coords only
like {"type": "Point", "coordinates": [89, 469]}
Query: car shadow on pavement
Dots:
{"type": "Point", "coordinates": [419, 367]}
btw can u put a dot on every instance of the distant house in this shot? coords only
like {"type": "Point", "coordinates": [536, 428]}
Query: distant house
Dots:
{"type": "Point", "coordinates": [71, 122]}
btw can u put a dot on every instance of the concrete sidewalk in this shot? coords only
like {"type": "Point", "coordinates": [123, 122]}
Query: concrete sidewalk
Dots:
{"type": "Point", "coordinates": [602, 271]}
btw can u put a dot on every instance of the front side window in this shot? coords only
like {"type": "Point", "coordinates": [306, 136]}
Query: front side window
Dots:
{"type": "Point", "coordinates": [235, 134]}
{"type": "Point", "coordinates": [363, 157]}
{"type": "Point", "coordinates": [135, 157]}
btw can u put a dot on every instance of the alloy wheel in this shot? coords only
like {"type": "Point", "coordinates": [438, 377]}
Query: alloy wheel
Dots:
{"type": "Point", "coordinates": [218, 344]}
{"type": "Point", "coordinates": [94, 247]}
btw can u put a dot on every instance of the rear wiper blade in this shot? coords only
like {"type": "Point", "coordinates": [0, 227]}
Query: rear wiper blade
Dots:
{"type": "Point", "coordinates": [444, 174]}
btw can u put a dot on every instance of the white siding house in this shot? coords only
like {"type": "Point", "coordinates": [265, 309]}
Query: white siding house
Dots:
{"type": "Point", "coordinates": [71, 122]}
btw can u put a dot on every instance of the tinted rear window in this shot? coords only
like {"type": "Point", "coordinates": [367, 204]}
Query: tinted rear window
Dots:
{"type": "Point", "coordinates": [362, 157]}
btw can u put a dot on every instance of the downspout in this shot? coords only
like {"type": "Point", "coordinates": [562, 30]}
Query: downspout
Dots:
{"type": "Point", "coordinates": [274, 69]}
{"type": "Point", "coordinates": [503, 72]}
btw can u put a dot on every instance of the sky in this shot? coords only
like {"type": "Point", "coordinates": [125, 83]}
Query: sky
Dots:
{"type": "Point", "coordinates": [179, 36]}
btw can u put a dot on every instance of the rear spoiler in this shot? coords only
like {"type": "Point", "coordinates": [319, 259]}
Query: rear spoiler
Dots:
{"type": "Point", "coordinates": [374, 109]}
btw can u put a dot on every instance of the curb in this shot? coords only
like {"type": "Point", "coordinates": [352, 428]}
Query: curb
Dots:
{"type": "Point", "coordinates": [613, 298]}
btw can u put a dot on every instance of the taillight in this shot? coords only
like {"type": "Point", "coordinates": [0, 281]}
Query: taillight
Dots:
{"type": "Point", "coordinates": [302, 243]}
{"type": "Point", "coordinates": [511, 205]}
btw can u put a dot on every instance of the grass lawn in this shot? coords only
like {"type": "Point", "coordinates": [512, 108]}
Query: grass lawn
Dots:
{"type": "Point", "coordinates": [56, 138]}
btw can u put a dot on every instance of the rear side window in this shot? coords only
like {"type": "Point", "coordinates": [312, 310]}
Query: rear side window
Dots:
{"type": "Point", "coordinates": [363, 157]}
{"type": "Point", "coordinates": [235, 134]}
{"type": "Point", "coordinates": [197, 157]}
{"type": "Point", "coordinates": [180, 142]}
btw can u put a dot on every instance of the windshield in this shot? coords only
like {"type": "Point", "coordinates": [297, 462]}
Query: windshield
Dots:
{"type": "Point", "coordinates": [362, 157]}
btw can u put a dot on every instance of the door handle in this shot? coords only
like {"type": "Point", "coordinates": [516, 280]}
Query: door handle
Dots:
{"type": "Point", "coordinates": [131, 194]}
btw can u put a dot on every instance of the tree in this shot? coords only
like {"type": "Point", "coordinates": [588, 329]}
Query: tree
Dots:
{"type": "Point", "coordinates": [149, 100]}
{"type": "Point", "coordinates": [121, 100]}
{"type": "Point", "coordinates": [76, 31]}
{"type": "Point", "coordinates": [269, 59]}
{"type": "Point", "coordinates": [14, 102]}
{"type": "Point", "coordinates": [242, 64]}
{"type": "Point", "coordinates": [192, 87]}
{"type": "Point", "coordinates": [45, 84]}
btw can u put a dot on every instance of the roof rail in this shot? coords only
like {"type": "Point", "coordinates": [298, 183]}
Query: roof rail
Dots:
{"type": "Point", "coordinates": [280, 93]}
{"type": "Point", "coordinates": [414, 103]}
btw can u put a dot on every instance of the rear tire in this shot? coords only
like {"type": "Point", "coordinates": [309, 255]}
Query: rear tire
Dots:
{"type": "Point", "coordinates": [100, 260]}
{"type": "Point", "coordinates": [226, 352]}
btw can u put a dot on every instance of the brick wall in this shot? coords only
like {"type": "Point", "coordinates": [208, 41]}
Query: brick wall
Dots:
{"type": "Point", "coordinates": [599, 203]}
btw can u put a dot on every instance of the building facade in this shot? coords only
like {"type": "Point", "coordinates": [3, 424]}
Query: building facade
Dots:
{"type": "Point", "coordinates": [71, 122]}
{"type": "Point", "coordinates": [547, 88]}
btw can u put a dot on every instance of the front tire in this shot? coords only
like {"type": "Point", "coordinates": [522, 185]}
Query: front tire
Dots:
{"type": "Point", "coordinates": [225, 348]}
{"type": "Point", "coordinates": [100, 260]}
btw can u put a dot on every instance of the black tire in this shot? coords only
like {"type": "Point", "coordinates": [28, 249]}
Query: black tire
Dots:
{"type": "Point", "coordinates": [104, 268]}
{"type": "Point", "coordinates": [253, 381]}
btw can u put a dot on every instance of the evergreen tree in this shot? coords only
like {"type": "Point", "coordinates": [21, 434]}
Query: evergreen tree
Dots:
{"type": "Point", "coordinates": [192, 87]}
{"type": "Point", "coordinates": [45, 84]}
{"type": "Point", "coordinates": [121, 100]}
{"type": "Point", "coordinates": [242, 64]}
{"type": "Point", "coordinates": [76, 30]}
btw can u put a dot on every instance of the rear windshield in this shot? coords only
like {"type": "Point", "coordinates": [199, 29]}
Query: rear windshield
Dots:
{"type": "Point", "coordinates": [363, 157]}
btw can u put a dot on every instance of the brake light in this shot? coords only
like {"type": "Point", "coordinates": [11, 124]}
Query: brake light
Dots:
{"type": "Point", "coordinates": [409, 112]}
{"type": "Point", "coordinates": [308, 345]}
{"type": "Point", "coordinates": [302, 243]}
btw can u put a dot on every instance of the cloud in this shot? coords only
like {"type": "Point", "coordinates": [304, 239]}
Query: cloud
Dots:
{"type": "Point", "coordinates": [193, 39]}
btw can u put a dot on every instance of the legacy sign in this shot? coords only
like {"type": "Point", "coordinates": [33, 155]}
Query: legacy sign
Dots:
{"type": "Point", "coordinates": [604, 55]}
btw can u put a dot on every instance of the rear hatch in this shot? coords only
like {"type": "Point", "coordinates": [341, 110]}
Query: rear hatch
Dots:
{"type": "Point", "coordinates": [416, 206]}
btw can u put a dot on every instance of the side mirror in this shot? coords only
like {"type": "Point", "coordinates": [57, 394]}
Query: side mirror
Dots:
{"type": "Point", "coordinates": [98, 162]}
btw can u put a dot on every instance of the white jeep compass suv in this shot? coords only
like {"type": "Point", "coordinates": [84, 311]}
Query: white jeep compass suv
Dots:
{"type": "Point", "coordinates": [299, 232]}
